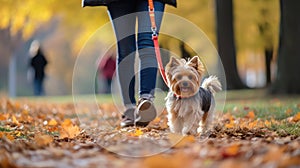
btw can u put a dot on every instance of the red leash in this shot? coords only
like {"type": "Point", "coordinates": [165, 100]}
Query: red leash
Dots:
{"type": "Point", "coordinates": [155, 41]}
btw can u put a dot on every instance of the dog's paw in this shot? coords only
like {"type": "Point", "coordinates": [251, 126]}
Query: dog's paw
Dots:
{"type": "Point", "coordinates": [205, 133]}
{"type": "Point", "coordinates": [188, 131]}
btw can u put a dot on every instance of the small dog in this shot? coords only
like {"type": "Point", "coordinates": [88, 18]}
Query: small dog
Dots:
{"type": "Point", "coordinates": [189, 104]}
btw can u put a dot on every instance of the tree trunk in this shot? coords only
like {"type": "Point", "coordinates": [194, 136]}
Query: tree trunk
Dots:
{"type": "Point", "coordinates": [268, 56]}
{"type": "Point", "coordinates": [226, 44]}
{"type": "Point", "coordinates": [288, 74]}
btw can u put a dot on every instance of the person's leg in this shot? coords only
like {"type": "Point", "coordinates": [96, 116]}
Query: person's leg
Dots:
{"type": "Point", "coordinates": [124, 27]}
{"type": "Point", "coordinates": [42, 90]}
{"type": "Point", "coordinates": [38, 88]}
{"type": "Point", "coordinates": [148, 63]}
{"type": "Point", "coordinates": [35, 87]}
{"type": "Point", "coordinates": [108, 85]}
{"type": "Point", "coordinates": [146, 111]}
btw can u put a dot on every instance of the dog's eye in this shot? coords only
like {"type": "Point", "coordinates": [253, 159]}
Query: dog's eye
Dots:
{"type": "Point", "coordinates": [190, 77]}
{"type": "Point", "coordinates": [179, 77]}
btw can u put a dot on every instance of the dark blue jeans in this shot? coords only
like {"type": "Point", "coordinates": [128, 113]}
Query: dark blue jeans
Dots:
{"type": "Point", "coordinates": [124, 15]}
{"type": "Point", "coordinates": [38, 89]}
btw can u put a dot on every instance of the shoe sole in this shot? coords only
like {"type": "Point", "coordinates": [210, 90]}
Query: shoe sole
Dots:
{"type": "Point", "coordinates": [146, 111]}
{"type": "Point", "coordinates": [123, 124]}
{"type": "Point", "coordinates": [129, 114]}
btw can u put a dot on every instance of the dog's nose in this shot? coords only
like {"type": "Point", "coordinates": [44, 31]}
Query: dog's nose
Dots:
{"type": "Point", "coordinates": [185, 84]}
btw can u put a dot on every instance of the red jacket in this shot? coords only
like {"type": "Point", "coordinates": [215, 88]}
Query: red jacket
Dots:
{"type": "Point", "coordinates": [107, 67]}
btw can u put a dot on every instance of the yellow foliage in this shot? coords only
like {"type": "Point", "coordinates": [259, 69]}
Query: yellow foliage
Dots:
{"type": "Point", "coordinates": [4, 21]}
{"type": "Point", "coordinates": [28, 31]}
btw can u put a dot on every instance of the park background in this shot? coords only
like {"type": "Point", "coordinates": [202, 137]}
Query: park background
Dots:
{"type": "Point", "coordinates": [247, 38]}
{"type": "Point", "coordinates": [259, 126]}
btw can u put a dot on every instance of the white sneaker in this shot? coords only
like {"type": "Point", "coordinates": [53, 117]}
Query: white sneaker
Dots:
{"type": "Point", "coordinates": [145, 111]}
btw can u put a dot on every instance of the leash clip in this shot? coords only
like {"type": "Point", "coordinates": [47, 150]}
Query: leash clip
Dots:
{"type": "Point", "coordinates": [151, 9]}
{"type": "Point", "coordinates": [154, 31]}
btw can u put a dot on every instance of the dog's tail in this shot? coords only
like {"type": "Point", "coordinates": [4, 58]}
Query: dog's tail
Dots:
{"type": "Point", "coordinates": [212, 84]}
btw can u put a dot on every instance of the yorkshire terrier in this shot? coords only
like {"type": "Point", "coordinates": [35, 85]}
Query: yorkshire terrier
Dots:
{"type": "Point", "coordinates": [189, 104]}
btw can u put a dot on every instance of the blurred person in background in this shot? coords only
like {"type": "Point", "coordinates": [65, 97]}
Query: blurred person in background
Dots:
{"type": "Point", "coordinates": [107, 69]}
{"type": "Point", "coordinates": [38, 63]}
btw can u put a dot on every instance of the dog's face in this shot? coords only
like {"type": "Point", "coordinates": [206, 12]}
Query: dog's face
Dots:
{"type": "Point", "coordinates": [184, 77]}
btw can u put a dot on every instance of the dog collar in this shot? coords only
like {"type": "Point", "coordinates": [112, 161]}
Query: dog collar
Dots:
{"type": "Point", "coordinates": [176, 96]}
{"type": "Point", "coordinates": [179, 97]}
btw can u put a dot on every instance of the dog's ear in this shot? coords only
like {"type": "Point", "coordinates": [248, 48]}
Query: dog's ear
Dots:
{"type": "Point", "coordinates": [197, 64]}
{"type": "Point", "coordinates": [174, 62]}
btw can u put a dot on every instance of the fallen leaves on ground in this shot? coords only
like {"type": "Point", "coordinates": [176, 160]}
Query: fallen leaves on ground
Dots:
{"type": "Point", "coordinates": [40, 134]}
{"type": "Point", "coordinates": [296, 118]}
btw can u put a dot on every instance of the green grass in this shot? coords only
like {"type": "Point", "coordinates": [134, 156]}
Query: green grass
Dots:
{"type": "Point", "coordinates": [2, 129]}
{"type": "Point", "coordinates": [286, 128]}
{"type": "Point", "coordinates": [264, 111]}
{"type": "Point", "coordinates": [103, 98]}
{"type": "Point", "coordinates": [265, 106]}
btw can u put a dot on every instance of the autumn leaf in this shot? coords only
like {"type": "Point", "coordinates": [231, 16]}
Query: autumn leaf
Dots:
{"type": "Point", "coordinates": [42, 140]}
{"type": "Point", "coordinates": [7, 135]}
{"type": "Point", "coordinates": [253, 124]}
{"type": "Point", "coordinates": [52, 122]}
{"type": "Point", "coordinates": [137, 132]}
{"type": "Point", "coordinates": [296, 118]}
{"type": "Point", "coordinates": [25, 112]}
{"type": "Point", "coordinates": [250, 115]}
{"type": "Point", "coordinates": [67, 122]}
{"type": "Point", "coordinates": [290, 161]}
{"type": "Point", "coordinates": [3, 117]}
{"type": "Point", "coordinates": [274, 153]}
{"type": "Point", "coordinates": [17, 105]}
{"type": "Point", "coordinates": [14, 120]}
{"type": "Point", "coordinates": [288, 111]}
{"type": "Point", "coordinates": [18, 133]}
{"type": "Point", "coordinates": [267, 123]}
{"type": "Point", "coordinates": [179, 160]}
{"type": "Point", "coordinates": [156, 120]}
{"type": "Point", "coordinates": [158, 161]}
{"type": "Point", "coordinates": [231, 151]}
{"type": "Point", "coordinates": [179, 141]}
{"type": "Point", "coordinates": [5, 159]}
{"type": "Point", "coordinates": [230, 125]}
{"type": "Point", "coordinates": [69, 131]}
